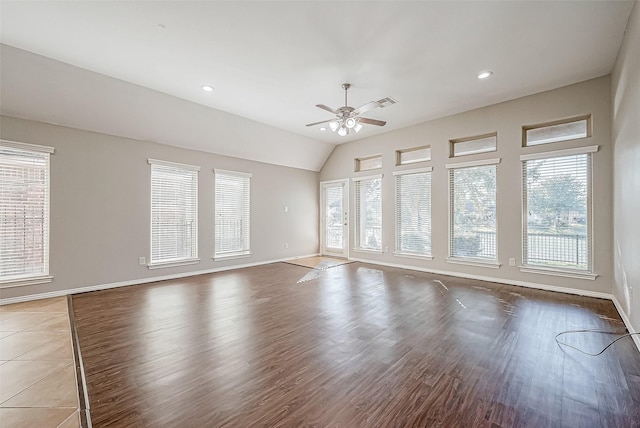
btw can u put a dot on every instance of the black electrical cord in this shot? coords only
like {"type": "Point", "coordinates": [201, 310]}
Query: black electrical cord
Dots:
{"type": "Point", "coordinates": [591, 331]}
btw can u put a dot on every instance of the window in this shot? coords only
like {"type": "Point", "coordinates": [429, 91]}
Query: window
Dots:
{"type": "Point", "coordinates": [414, 155]}
{"type": "Point", "coordinates": [557, 207]}
{"type": "Point", "coordinates": [413, 212]}
{"type": "Point", "coordinates": [232, 214]}
{"type": "Point", "coordinates": [368, 234]}
{"type": "Point", "coordinates": [368, 163]}
{"type": "Point", "coordinates": [472, 198]}
{"type": "Point", "coordinates": [473, 145]}
{"type": "Point", "coordinates": [24, 213]}
{"type": "Point", "coordinates": [174, 214]}
{"type": "Point", "coordinates": [560, 130]}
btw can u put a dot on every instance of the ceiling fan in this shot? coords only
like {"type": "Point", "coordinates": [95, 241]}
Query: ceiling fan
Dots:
{"type": "Point", "coordinates": [348, 118]}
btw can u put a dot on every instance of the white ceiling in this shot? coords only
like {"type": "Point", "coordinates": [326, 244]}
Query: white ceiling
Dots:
{"type": "Point", "coordinates": [271, 62]}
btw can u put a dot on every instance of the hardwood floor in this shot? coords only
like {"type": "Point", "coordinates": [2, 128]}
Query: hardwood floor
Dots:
{"type": "Point", "coordinates": [354, 345]}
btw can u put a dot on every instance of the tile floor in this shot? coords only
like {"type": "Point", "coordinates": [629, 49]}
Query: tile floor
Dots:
{"type": "Point", "coordinates": [37, 374]}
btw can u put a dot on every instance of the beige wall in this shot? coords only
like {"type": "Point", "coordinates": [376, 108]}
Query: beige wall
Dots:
{"type": "Point", "coordinates": [507, 119]}
{"type": "Point", "coordinates": [625, 136]}
{"type": "Point", "coordinates": [100, 207]}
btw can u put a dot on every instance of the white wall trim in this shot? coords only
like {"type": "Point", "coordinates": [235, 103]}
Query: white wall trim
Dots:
{"type": "Point", "coordinates": [576, 291]}
{"type": "Point", "coordinates": [469, 164]}
{"type": "Point", "coordinates": [626, 321]}
{"type": "Point", "coordinates": [140, 281]}
{"type": "Point", "coordinates": [559, 153]}
{"type": "Point", "coordinates": [173, 164]}
{"type": "Point", "coordinates": [27, 146]}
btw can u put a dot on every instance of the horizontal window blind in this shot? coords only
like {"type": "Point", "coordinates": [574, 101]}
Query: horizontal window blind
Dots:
{"type": "Point", "coordinates": [556, 200]}
{"type": "Point", "coordinates": [174, 212]}
{"type": "Point", "coordinates": [24, 213]}
{"type": "Point", "coordinates": [369, 214]}
{"type": "Point", "coordinates": [472, 232]}
{"type": "Point", "coordinates": [232, 213]}
{"type": "Point", "coordinates": [413, 213]}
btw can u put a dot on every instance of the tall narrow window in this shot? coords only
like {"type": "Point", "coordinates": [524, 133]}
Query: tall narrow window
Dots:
{"type": "Point", "coordinates": [24, 213]}
{"type": "Point", "coordinates": [472, 198]}
{"type": "Point", "coordinates": [368, 215]}
{"type": "Point", "coordinates": [413, 212]}
{"type": "Point", "coordinates": [557, 207]}
{"type": "Point", "coordinates": [174, 214]}
{"type": "Point", "coordinates": [232, 214]}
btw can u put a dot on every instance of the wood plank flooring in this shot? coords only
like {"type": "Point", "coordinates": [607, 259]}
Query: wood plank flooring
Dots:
{"type": "Point", "coordinates": [353, 346]}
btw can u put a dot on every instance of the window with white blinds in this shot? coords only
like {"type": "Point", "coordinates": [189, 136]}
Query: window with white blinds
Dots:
{"type": "Point", "coordinates": [24, 213]}
{"type": "Point", "coordinates": [368, 234]}
{"type": "Point", "coordinates": [232, 214]}
{"type": "Point", "coordinates": [472, 198]}
{"type": "Point", "coordinates": [557, 206]}
{"type": "Point", "coordinates": [174, 213]}
{"type": "Point", "coordinates": [413, 212]}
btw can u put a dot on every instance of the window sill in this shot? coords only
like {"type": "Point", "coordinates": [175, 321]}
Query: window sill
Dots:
{"type": "Point", "coordinates": [413, 256]}
{"type": "Point", "coordinates": [558, 272]}
{"type": "Point", "coordinates": [19, 282]}
{"type": "Point", "coordinates": [364, 250]}
{"type": "Point", "coordinates": [474, 262]}
{"type": "Point", "coordinates": [222, 257]}
{"type": "Point", "coordinates": [184, 262]}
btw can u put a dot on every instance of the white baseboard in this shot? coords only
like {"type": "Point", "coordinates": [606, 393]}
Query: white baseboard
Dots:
{"type": "Point", "coordinates": [546, 287]}
{"type": "Point", "coordinates": [139, 281]}
{"type": "Point", "coordinates": [626, 321]}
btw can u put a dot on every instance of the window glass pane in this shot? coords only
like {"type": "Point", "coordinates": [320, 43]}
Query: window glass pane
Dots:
{"type": "Point", "coordinates": [554, 133]}
{"type": "Point", "coordinates": [369, 163]}
{"type": "Point", "coordinates": [174, 213]}
{"type": "Point", "coordinates": [473, 211]}
{"type": "Point", "coordinates": [556, 208]}
{"type": "Point", "coordinates": [409, 156]}
{"type": "Point", "coordinates": [413, 213]}
{"type": "Point", "coordinates": [333, 216]}
{"type": "Point", "coordinates": [470, 147]}
{"type": "Point", "coordinates": [232, 214]}
{"type": "Point", "coordinates": [24, 213]}
{"type": "Point", "coordinates": [369, 214]}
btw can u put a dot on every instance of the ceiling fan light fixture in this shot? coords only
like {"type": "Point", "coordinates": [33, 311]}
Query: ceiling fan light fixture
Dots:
{"type": "Point", "coordinates": [350, 123]}
{"type": "Point", "coordinates": [357, 127]}
{"type": "Point", "coordinates": [334, 126]}
{"type": "Point", "coordinates": [343, 131]}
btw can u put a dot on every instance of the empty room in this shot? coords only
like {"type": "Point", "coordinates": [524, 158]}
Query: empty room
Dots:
{"type": "Point", "coordinates": [319, 213]}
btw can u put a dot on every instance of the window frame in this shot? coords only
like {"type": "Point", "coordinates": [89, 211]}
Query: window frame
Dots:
{"type": "Point", "coordinates": [490, 263]}
{"type": "Point", "coordinates": [193, 259]}
{"type": "Point", "coordinates": [549, 270]}
{"type": "Point", "coordinates": [455, 141]}
{"type": "Point", "coordinates": [400, 152]}
{"type": "Point", "coordinates": [357, 162]}
{"type": "Point", "coordinates": [573, 119]}
{"type": "Point", "coordinates": [245, 252]}
{"type": "Point", "coordinates": [44, 276]}
{"type": "Point", "coordinates": [357, 210]}
{"type": "Point", "coordinates": [397, 251]}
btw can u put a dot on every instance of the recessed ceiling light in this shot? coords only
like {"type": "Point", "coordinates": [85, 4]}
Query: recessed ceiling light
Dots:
{"type": "Point", "coordinates": [485, 74]}
{"type": "Point", "coordinates": [207, 88]}
{"type": "Point", "coordinates": [323, 129]}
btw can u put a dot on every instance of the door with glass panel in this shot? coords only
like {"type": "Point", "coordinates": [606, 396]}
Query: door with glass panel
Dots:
{"type": "Point", "coordinates": [334, 218]}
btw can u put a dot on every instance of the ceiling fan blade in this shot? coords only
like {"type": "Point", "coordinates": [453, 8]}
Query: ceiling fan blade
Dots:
{"type": "Point", "coordinates": [366, 107]}
{"type": "Point", "coordinates": [329, 109]}
{"type": "Point", "coordinates": [318, 123]}
{"type": "Point", "coordinates": [372, 121]}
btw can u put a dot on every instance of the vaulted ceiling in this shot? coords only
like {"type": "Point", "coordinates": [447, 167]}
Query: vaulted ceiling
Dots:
{"type": "Point", "coordinates": [96, 64]}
